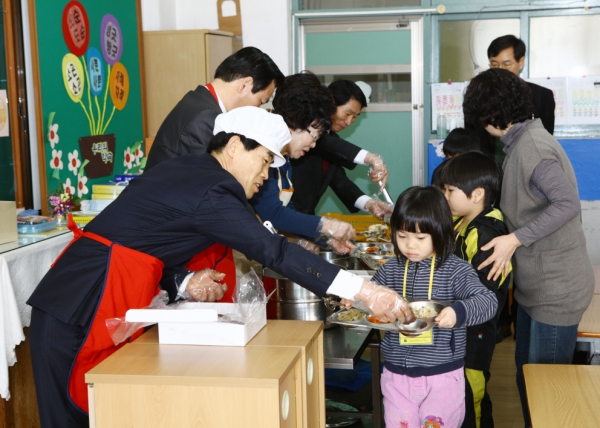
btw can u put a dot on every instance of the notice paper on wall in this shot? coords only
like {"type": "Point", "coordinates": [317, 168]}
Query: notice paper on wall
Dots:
{"type": "Point", "coordinates": [447, 99]}
{"type": "Point", "coordinates": [583, 100]}
{"type": "Point", "coordinates": [558, 86]}
{"type": "Point", "coordinates": [4, 114]}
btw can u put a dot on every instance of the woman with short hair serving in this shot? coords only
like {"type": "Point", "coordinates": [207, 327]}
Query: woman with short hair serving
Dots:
{"type": "Point", "coordinates": [541, 207]}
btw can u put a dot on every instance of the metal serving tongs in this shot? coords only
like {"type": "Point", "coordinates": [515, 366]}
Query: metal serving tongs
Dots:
{"type": "Point", "coordinates": [386, 195]}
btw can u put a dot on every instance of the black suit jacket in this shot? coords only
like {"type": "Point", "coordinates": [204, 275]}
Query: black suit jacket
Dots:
{"type": "Point", "coordinates": [173, 212]}
{"type": "Point", "coordinates": [543, 105]}
{"type": "Point", "coordinates": [310, 180]}
{"type": "Point", "coordinates": [187, 129]}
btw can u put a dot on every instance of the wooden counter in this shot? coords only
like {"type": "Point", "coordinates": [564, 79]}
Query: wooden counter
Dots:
{"type": "Point", "coordinates": [562, 395]}
{"type": "Point", "coordinates": [306, 337]}
{"type": "Point", "coordinates": [197, 386]}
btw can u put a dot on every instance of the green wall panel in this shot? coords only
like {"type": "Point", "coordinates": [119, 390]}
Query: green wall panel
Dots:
{"type": "Point", "coordinates": [358, 48]}
{"type": "Point", "coordinates": [72, 121]}
{"type": "Point", "coordinates": [387, 134]}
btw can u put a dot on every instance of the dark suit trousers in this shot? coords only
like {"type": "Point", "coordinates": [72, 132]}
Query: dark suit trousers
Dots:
{"type": "Point", "coordinates": [54, 345]}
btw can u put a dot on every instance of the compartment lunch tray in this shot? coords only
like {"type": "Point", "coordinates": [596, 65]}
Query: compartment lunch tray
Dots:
{"type": "Point", "coordinates": [416, 328]}
{"type": "Point", "coordinates": [374, 261]}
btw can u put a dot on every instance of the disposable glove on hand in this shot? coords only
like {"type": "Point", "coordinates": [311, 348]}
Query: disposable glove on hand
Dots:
{"type": "Point", "coordinates": [378, 208]}
{"type": "Point", "coordinates": [202, 286]}
{"type": "Point", "coordinates": [341, 247]}
{"type": "Point", "coordinates": [377, 171]}
{"type": "Point", "coordinates": [385, 303]}
{"type": "Point", "coordinates": [336, 229]}
{"type": "Point", "coordinates": [310, 246]}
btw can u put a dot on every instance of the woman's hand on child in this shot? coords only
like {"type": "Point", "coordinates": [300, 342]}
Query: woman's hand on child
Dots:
{"type": "Point", "coordinates": [504, 248]}
{"type": "Point", "coordinates": [384, 303]}
{"type": "Point", "coordinates": [446, 318]}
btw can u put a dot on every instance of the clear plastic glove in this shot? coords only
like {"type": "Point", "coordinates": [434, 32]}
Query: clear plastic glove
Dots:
{"type": "Point", "coordinates": [202, 286]}
{"type": "Point", "coordinates": [377, 169]}
{"type": "Point", "coordinates": [378, 208]}
{"type": "Point", "coordinates": [385, 303]}
{"type": "Point", "coordinates": [341, 247]}
{"type": "Point", "coordinates": [336, 229]}
{"type": "Point", "coordinates": [310, 246]}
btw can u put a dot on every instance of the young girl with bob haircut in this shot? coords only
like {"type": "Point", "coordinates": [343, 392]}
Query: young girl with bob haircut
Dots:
{"type": "Point", "coordinates": [423, 378]}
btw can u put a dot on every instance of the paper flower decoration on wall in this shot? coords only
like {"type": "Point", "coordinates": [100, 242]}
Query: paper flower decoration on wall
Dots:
{"type": "Point", "coordinates": [81, 185]}
{"type": "Point", "coordinates": [79, 71]}
{"type": "Point", "coordinates": [139, 154]}
{"type": "Point", "coordinates": [53, 135]}
{"type": "Point", "coordinates": [56, 162]}
{"type": "Point", "coordinates": [68, 187]}
{"type": "Point", "coordinates": [74, 162]}
{"type": "Point", "coordinates": [128, 158]}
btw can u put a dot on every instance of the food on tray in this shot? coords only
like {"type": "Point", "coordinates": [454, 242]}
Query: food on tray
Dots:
{"type": "Point", "coordinates": [375, 232]}
{"type": "Point", "coordinates": [351, 315]}
{"type": "Point", "coordinates": [425, 312]}
{"type": "Point", "coordinates": [372, 249]}
{"type": "Point", "coordinates": [373, 320]}
{"type": "Point", "coordinates": [382, 262]}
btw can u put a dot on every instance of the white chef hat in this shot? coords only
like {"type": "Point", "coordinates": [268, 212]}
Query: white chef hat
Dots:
{"type": "Point", "coordinates": [267, 129]}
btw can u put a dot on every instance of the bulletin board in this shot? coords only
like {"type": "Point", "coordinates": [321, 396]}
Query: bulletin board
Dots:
{"type": "Point", "coordinates": [88, 82]}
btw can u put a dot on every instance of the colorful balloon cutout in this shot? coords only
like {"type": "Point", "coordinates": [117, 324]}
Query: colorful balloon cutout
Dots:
{"type": "Point", "coordinates": [111, 39]}
{"type": "Point", "coordinates": [119, 85]}
{"type": "Point", "coordinates": [95, 70]}
{"type": "Point", "coordinates": [75, 26]}
{"type": "Point", "coordinates": [73, 77]}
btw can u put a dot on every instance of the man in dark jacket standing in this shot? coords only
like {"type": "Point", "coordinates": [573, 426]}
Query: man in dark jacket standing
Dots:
{"type": "Point", "coordinates": [246, 78]}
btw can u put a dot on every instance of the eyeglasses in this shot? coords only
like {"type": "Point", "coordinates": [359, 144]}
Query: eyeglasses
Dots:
{"type": "Point", "coordinates": [505, 64]}
{"type": "Point", "coordinates": [314, 137]}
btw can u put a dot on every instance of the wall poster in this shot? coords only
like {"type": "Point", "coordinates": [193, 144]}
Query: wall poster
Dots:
{"type": "Point", "coordinates": [90, 114]}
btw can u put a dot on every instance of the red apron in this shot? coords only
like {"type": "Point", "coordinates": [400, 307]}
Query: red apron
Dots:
{"type": "Point", "coordinates": [131, 282]}
{"type": "Point", "coordinates": [217, 256]}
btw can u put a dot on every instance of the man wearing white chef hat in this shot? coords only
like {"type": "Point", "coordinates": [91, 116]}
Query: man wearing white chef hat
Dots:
{"type": "Point", "coordinates": [145, 238]}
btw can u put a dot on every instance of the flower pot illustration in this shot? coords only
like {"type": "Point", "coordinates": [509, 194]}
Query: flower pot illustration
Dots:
{"type": "Point", "coordinates": [99, 150]}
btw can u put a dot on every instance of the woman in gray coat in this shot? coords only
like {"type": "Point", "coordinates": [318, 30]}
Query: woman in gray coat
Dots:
{"type": "Point", "coordinates": [541, 207]}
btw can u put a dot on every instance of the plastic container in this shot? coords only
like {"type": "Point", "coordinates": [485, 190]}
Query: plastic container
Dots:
{"type": "Point", "coordinates": [442, 130]}
{"type": "Point", "coordinates": [36, 228]}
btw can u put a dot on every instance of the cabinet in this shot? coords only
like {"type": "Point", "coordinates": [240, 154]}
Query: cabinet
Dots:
{"type": "Point", "coordinates": [307, 336]}
{"type": "Point", "coordinates": [176, 62]}
{"type": "Point", "coordinates": [197, 386]}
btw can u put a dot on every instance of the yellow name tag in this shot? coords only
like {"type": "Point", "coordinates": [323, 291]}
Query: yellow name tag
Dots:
{"type": "Point", "coordinates": [423, 339]}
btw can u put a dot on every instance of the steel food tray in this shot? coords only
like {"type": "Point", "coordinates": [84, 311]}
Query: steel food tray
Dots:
{"type": "Point", "coordinates": [375, 261]}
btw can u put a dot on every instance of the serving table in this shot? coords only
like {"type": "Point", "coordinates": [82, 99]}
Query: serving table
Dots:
{"type": "Point", "coordinates": [562, 395]}
{"type": "Point", "coordinates": [22, 266]}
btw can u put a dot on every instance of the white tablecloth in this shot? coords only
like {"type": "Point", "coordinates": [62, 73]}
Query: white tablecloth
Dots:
{"type": "Point", "coordinates": [21, 270]}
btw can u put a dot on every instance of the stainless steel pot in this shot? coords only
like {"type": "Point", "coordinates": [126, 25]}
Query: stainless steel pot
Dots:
{"type": "Point", "coordinates": [295, 302]}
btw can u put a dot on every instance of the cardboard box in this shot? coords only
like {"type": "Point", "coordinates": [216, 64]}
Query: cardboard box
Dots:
{"type": "Point", "coordinates": [197, 324]}
{"type": "Point", "coordinates": [8, 222]}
